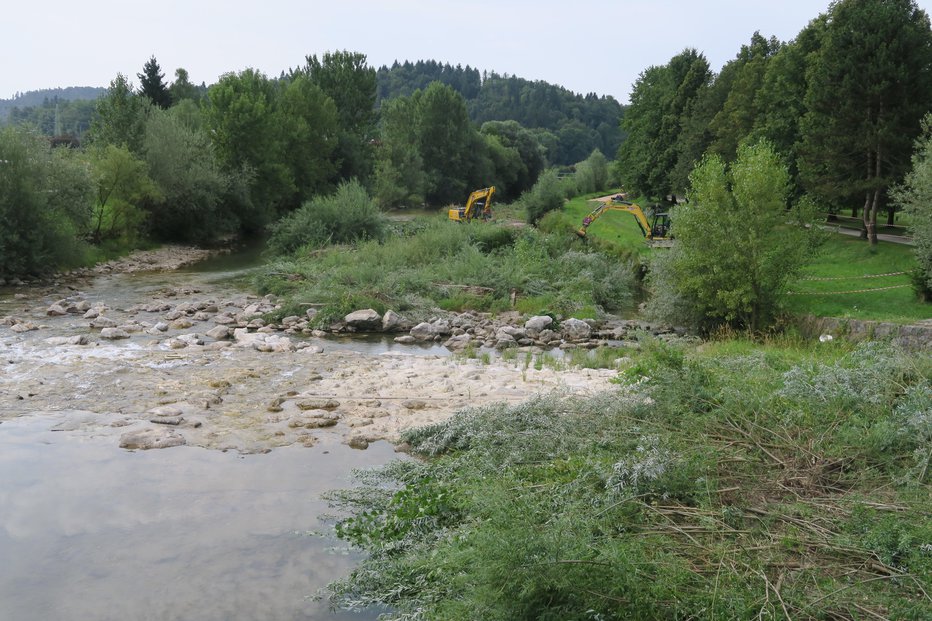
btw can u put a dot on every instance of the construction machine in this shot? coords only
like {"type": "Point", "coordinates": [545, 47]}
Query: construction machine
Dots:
{"type": "Point", "coordinates": [656, 231]}
{"type": "Point", "coordinates": [479, 205]}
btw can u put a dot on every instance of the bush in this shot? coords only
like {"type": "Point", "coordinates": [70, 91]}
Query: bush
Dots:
{"type": "Point", "coordinates": [547, 195]}
{"type": "Point", "coordinates": [591, 174]}
{"type": "Point", "coordinates": [347, 216]}
{"type": "Point", "coordinates": [737, 245]}
{"type": "Point", "coordinates": [624, 505]}
{"type": "Point", "coordinates": [45, 204]}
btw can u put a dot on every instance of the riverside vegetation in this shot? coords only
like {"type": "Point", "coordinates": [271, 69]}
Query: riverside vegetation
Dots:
{"type": "Point", "coordinates": [730, 480]}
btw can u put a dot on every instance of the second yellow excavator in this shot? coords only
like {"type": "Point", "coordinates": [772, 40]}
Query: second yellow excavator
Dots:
{"type": "Point", "coordinates": [656, 232]}
{"type": "Point", "coordinates": [479, 205]}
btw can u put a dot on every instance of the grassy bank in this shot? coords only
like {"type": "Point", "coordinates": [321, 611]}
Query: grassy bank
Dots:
{"type": "Point", "coordinates": [756, 481]}
{"type": "Point", "coordinates": [431, 263]}
{"type": "Point", "coordinates": [847, 264]}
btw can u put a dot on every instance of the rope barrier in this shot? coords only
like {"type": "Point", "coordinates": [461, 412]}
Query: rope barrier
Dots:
{"type": "Point", "coordinates": [844, 292]}
{"type": "Point", "coordinates": [855, 277]}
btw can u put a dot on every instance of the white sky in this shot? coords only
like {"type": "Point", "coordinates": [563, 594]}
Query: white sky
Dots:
{"type": "Point", "coordinates": [585, 45]}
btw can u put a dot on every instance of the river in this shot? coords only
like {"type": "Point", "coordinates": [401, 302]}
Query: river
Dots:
{"type": "Point", "coordinates": [217, 528]}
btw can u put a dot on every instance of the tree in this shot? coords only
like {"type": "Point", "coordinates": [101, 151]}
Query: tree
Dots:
{"type": "Point", "coordinates": [868, 87]}
{"type": "Point", "coordinates": [734, 273]}
{"type": "Point", "coordinates": [351, 83]}
{"type": "Point", "coordinates": [44, 204]}
{"type": "Point", "coordinates": [152, 86]}
{"type": "Point", "coordinates": [592, 173]}
{"type": "Point", "coordinates": [547, 195]}
{"type": "Point", "coordinates": [400, 179]}
{"type": "Point", "coordinates": [739, 111]}
{"type": "Point", "coordinates": [915, 197]}
{"type": "Point", "coordinates": [121, 116]}
{"type": "Point", "coordinates": [122, 188]}
{"type": "Point", "coordinates": [242, 118]}
{"type": "Point", "coordinates": [444, 143]}
{"type": "Point", "coordinates": [182, 89]}
{"type": "Point", "coordinates": [660, 102]}
{"type": "Point", "coordinates": [192, 187]}
{"type": "Point", "coordinates": [310, 128]}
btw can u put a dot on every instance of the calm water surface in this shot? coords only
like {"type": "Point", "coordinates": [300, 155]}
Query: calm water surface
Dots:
{"type": "Point", "coordinates": [89, 531]}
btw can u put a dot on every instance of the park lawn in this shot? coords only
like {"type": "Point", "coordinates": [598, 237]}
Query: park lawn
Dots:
{"type": "Point", "coordinates": [848, 260]}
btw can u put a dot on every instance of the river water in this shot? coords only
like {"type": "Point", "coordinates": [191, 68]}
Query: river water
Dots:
{"type": "Point", "coordinates": [215, 529]}
{"type": "Point", "coordinates": [90, 531]}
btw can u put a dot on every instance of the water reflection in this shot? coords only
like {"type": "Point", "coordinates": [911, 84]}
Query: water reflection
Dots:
{"type": "Point", "coordinates": [89, 531]}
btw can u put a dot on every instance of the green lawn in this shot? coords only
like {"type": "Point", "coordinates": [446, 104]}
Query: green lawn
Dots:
{"type": "Point", "coordinates": [845, 259]}
{"type": "Point", "coordinates": [615, 227]}
{"type": "Point", "coordinates": [848, 260]}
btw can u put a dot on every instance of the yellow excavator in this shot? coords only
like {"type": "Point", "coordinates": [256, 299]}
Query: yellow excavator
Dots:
{"type": "Point", "coordinates": [479, 205]}
{"type": "Point", "coordinates": [656, 232]}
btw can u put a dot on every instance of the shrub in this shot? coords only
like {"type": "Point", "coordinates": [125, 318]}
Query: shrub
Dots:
{"type": "Point", "coordinates": [347, 216]}
{"type": "Point", "coordinates": [547, 195]}
{"type": "Point", "coordinates": [737, 245]}
{"type": "Point", "coordinates": [44, 204]}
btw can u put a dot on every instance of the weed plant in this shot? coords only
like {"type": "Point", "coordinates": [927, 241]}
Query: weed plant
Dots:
{"type": "Point", "coordinates": [431, 263]}
{"type": "Point", "coordinates": [722, 481]}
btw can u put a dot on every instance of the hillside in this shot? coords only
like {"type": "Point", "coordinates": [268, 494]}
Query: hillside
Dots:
{"type": "Point", "coordinates": [39, 97]}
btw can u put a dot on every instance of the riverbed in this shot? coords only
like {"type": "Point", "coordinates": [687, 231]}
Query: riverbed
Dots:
{"type": "Point", "coordinates": [216, 526]}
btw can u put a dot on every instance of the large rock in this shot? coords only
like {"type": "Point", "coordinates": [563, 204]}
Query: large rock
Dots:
{"type": "Point", "coordinates": [103, 322]}
{"type": "Point", "coordinates": [364, 320]}
{"type": "Point", "coordinates": [218, 332]}
{"type": "Point", "coordinates": [575, 329]}
{"type": "Point", "coordinates": [114, 334]}
{"type": "Point", "coordinates": [56, 310]}
{"type": "Point", "coordinates": [423, 331]}
{"type": "Point", "coordinates": [538, 323]}
{"type": "Point", "coordinates": [393, 322]}
{"type": "Point", "coordinates": [144, 439]}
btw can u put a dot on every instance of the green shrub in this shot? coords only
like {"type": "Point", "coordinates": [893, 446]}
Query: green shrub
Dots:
{"type": "Point", "coordinates": [347, 216]}
{"type": "Point", "coordinates": [547, 195]}
{"type": "Point", "coordinates": [45, 204]}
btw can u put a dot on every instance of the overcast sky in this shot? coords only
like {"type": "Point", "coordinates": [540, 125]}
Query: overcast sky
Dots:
{"type": "Point", "coordinates": [585, 45]}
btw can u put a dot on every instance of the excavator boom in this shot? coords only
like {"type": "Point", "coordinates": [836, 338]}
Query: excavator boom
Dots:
{"type": "Point", "coordinates": [658, 232]}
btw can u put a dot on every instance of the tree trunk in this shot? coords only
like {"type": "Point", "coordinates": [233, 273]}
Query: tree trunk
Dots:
{"type": "Point", "coordinates": [870, 211]}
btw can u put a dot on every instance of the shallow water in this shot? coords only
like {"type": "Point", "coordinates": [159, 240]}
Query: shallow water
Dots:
{"type": "Point", "coordinates": [89, 531]}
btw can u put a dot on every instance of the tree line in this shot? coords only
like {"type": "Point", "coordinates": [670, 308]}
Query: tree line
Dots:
{"type": "Point", "coordinates": [569, 125]}
{"type": "Point", "coordinates": [841, 104]}
{"type": "Point", "coordinates": [178, 162]}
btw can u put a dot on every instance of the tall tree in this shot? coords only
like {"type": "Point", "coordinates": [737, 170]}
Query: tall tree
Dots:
{"type": "Point", "coordinates": [735, 120]}
{"type": "Point", "coordinates": [121, 116]}
{"type": "Point", "coordinates": [915, 196]}
{"type": "Point", "coordinates": [351, 83]}
{"type": "Point", "coordinates": [444, 142]}
{"type": "Point", "coordinates": [182, 89]}
{"type": "Point", "coordinates": [660, 102]}
{"type": "Point", "coordinates": [310, 128]}
{"type": "Point", "coordinates": [400, 179]}
{"type": "Point", "coordinates": [869, 86]}
{"type": "Point", "coordinates": [152, 84]}
{"type": "Point", "coordinates": [245, 128]}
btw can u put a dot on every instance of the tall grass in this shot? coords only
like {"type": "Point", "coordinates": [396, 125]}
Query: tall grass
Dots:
{"type": "Point", "coordinates": [431, 263]}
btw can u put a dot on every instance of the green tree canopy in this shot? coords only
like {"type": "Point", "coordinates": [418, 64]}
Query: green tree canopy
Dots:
{"type": "Point", "coordinates": [351, 83]}
{"type": "Point", "coordinates": [915, 196]}
{"type": "Point", "coordinates": [869, 85]}
{"type": "Point", "coordinates": [736, 244]}
{"type": "Point", "coordinates": [152, 84]}
{"type": "Point", "coordinates": [121, 116]}
{"type": "Point", "coordinates": [45, 198]}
